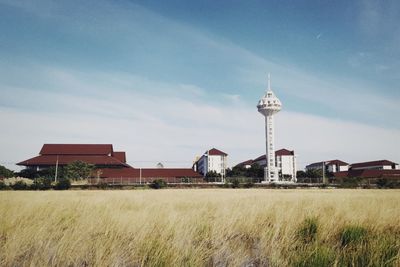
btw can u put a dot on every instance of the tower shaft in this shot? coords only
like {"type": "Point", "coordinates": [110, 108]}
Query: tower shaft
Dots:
{"type": "Point", "coordinates": [270, 172]}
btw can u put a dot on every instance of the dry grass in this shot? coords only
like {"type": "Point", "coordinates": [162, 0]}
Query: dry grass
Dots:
{"type": "Point", "coordinates": [221, 227]}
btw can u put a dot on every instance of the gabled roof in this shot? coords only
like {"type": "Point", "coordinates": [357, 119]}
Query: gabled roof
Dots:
{"type": "Point", "coordinates": [76, 149]}
{"type": "Point", "coordinates": [280, 152]}
{"type": "Point", "coordinates": [244, 163]}
{"type": "Point", "coordinates": [336, 162]}
{"type": "Point", "coordinates": [328, 162]}
{"type": "Point", "coordinates": [216, 152]}
{"type": "Point", "coordinates": [372, 163]}
{"type": "Point", "coordinates": [46, 160]}
{"type": "Point", "coordinates": [120, 155]}
{"type": "Point", "coordinates": [284, 152]}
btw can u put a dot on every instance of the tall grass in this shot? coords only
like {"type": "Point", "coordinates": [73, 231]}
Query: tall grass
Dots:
{"type": "Point", "coordinates": [221, 227]}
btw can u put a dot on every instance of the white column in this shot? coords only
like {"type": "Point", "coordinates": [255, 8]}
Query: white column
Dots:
{"type": "Point", "coordinates": [270, 149]}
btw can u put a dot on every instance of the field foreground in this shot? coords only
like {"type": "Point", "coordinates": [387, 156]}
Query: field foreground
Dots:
{"type": "Point", "coordinates": [221, 227]}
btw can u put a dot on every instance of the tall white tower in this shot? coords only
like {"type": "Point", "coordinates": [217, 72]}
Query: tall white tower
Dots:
{"type": "Point", "coordinates": [268, 105]}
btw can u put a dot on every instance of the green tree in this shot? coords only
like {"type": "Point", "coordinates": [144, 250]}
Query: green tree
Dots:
{"type": "Point", "coordinates": [301, 174]}
{"type": "Point", "coordinates": [78, 170]}
{"type": "Point", "coordinates": [4, 172]}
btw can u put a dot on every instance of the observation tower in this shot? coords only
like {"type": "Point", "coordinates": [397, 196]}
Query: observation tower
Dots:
{"type": "Point", "coordinates": [268, 105]}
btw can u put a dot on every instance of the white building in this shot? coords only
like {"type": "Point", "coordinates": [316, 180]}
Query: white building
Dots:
{"type": "Point", "coordinates": [330, 166]}
{"type": "Point", "coordinates": [285, 164]}
{"type": "Point", "coordinates": [212, 160]}
{"type": "Point", "coordinates": [375, 165]}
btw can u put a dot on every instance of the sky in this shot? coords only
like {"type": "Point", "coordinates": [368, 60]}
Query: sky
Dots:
{"type": "Point", "coordinates": [167, 80]}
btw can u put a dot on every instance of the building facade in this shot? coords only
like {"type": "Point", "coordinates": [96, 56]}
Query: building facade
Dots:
{"type": "Point", "coordinates": [212, 160]}
{"type": "Point", "coordinates": [375, 165]}
{"type": "Point", "coordinates": [285, 164]}
{"type": "Point", "coordinates": [330, 166]}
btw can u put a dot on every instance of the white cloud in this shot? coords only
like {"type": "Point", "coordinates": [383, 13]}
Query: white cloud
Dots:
{"type": "Point", "coordinates": [174, 129]}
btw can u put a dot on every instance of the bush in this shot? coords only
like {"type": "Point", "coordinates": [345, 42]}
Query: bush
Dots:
{"type": "Point", "coordinates": [41, 184]}
{"type": "Point", "coordinates": [316, 257]}
{"type": "Point", "coordinates": [352, 235]}
{"type": "Point", "coordinates": [249, 184]}
{"type": "Point", "coordinates": [3, 186]}
{"type": "Point", "coordinates": [308, 230]}
{"type": "Point", "coordinates": [19, 185]}
{"type": "Point", "coordinates": [102, 185]}
{"type": "Point", "coordinates": [235, 183]}
{"type": "Point", "coordinates": [63, 184]}
{"type": "Point", "coordinates": [351, 182]}
{"type": "Point", "coordinates": [158, 184]}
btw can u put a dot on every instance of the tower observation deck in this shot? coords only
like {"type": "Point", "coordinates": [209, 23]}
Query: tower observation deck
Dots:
{"type": "Point", "coordinates": [269, 105]}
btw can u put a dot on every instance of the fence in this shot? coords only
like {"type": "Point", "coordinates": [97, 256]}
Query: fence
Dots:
{"type": "Point", "coordinates": [146, 180]}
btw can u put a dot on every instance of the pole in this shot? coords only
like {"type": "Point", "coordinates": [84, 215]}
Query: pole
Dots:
{"type": "Point", "coordinates": [323, 172]}
{"type": "Point", "coordinates": [55, 175]}
{"type": "Point", "coordinates": [140, 176]}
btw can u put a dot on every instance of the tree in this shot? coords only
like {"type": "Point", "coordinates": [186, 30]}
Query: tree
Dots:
{"type": "Point", "coordinates": [301, 174]}
{"type": "Point", "coordinates": [314, 173]}
{"type": "Point", "coordinates": [4, 172]}
{"type": "Point", "coordinates": [78, 170]}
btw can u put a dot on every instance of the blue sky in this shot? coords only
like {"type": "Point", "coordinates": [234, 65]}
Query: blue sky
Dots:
{"type": "Point", "coordinates": [166, 80]}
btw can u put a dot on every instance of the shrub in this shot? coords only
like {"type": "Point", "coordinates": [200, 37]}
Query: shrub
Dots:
{"type": "Point", "coordinates": [249, 184]}
{"type": "Point", "coordinates": [352, 235]}
{"type": "Point", "coordinates": [63, 184]}
{"type": "Point", "coordinates": [316, 257]}
{"type": "Point", "coordinates": [351, 182]}
{"type": "Point", "coordinates": [102, 185]}
{"type": "Point", "coordinates": [158, 184]}
{"type": "Point", "coordinates": [235, 183]}
{"type": "Point", "coordinates": [3, 186]}
{"type": "Point", "coordinates": [41, 184]}
{"type": "Point", "coordinates": [19, 185]}
{"type": "Point", "coordinates": [308, 230]}
{"type": "Point", "coordinates": [382, 183]}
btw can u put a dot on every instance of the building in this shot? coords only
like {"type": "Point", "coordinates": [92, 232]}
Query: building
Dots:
{"type": "Point", "coordinates": [330, 166]}
{"type": "Point", "coordinates": [108, 164]}
{"type": "Point", "coordinates": [269, 105]}
{"type": "Point", "coordinates": [212, 160]}
{"type": "Point", "coordinates": [245, 164]}
{"type": "Point", "coordinates": [285, 164]}
{"type": "Point", "coordinates": [100, 155]}
{"type": "Point", "coordinates": [375, 165]}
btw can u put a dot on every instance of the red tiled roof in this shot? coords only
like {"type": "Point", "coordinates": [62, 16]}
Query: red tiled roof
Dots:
{"type": "Point", "coordinates": [120, 156]}
{"type": "Point", "coordinates": [76, 149]}
{"type": "Point", "coordinates": [337, 162]}
{"type": "Point", "coordinates": [372, 163]}
{"type": "Point", "coordinates": [284, 152]}
{"type": "Point", "coordinates": [280, 152]}
{"type": "Point", "coordinates": [369, 173]}
{"type": "Point", "coordinates": [149, 173]}
{"type": "Point", "coordinates": [46, 160]}
{"type": "Point", "coordinates": [328, 162]}
{"type": "Point", "coordinates": [262, 157]}
{"type": "Point", "coordinates": [247, 162]}
{"type": "Point", "coordinates": [216, 152]}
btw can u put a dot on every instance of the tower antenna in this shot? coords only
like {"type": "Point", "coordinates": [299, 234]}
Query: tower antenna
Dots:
{"type": "Point", "coordinates": [269, 81]}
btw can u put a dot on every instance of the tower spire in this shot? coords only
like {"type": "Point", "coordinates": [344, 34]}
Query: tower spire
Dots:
{"type": "Point", "coordinates": [269, 81]}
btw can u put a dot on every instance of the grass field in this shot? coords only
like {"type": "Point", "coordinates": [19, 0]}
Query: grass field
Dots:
{"type": "Point", "coordinates": [214, 227]}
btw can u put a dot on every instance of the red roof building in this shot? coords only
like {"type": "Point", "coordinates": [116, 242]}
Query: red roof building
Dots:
{"type": "Point", "coordinates": [375, 165]}
{"type": "Point", "coordinates": [108, 163]}
{"type": "Point", "coordinates": [285, 161]}
{"type": "Point", "coordinates": [330, 166]}
{"type": "Point", "coordinates": [213, 160]}
{"type": "Point", "coordinates": [99, 155]}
